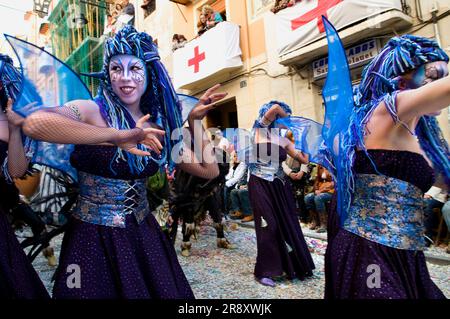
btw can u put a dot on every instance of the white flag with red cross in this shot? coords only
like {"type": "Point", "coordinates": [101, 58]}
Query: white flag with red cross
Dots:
{"type": "Point", "coordinates": [302, 24]}
{"type": "Point", "coordinates": [217, 50]}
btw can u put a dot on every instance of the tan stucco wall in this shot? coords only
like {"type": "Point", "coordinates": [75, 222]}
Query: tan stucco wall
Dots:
{"type": "Point", "coordinates": [281, 83]}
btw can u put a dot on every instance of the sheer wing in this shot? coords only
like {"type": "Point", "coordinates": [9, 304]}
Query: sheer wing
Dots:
{"type": "Point", "coordinates": [46, 82]}
{"type": "Point", "coordinates": [308, 137]}
{"type": "Point", "coordinates": [187, 103]}
{"type": "Point", "coordinates": [338, 97]}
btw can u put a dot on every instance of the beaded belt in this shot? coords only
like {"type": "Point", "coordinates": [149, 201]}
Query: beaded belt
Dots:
{"type": "Point", "coordinates": [107, 201]}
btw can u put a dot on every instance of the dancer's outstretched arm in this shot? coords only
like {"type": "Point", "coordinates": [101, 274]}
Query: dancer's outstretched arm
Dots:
{"type": "Point", "coordinates": [202, 165]}
{"type": "Point", "coordinates": [69, 124]}
{"type": "Point", "coordinates": [303, 158]}
{"type": "Point", "coordinates": [264, 133]}
{"type": "Point", "coordinates": [428, 99]}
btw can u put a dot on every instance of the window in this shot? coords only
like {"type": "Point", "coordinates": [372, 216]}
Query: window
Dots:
{"type": "Point", "coordinates": [259, 7]}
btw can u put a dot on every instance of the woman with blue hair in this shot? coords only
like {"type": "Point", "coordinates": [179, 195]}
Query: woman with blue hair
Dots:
{"type": "Point", "coordinates": [113, 247]}
{"type": "Point", "coordinates": [395, 152]}
{"type": "Point", "coordinates": [282, 249]}
{"type": "Point", "coordinates": [18, 279]}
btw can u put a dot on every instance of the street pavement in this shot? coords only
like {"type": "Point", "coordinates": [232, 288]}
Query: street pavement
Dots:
{"type": "Point", "coordinates": [220, 273]}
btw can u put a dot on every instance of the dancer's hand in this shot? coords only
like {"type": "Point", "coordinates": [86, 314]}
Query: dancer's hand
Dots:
{"type": "Point", "coordinates": [295, 176]}
{"type": "Point", "coordinates": [170, 220]}
{"type": "Point", "coordinates": [15, 121]}
{"type": "Point", "coordinates": [128, 139]}
{"type": "Point", "coordinates": [206, 103]}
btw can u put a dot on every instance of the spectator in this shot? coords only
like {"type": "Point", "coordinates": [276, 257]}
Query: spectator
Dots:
{"type": "Point", "coordinates": [181, 40]}
{"type": "Point", "coordinates": [109, 26]}
{"type": "Point", "coordinates": [212, 17]}
{"type": "Point", "coordinates": [148, 7]}
{"type": "Point", "coordinates": [201, 25]}
{"type": "Point", "coordinates": [279, 5]}
{"type": "Point", "coordinates": [175, 42]}
{"type": "Point", "coordinates": [446, 215]}
{"type": "Point", "coordinates": [220, 141]}
{"type": "Point", "coordinates": [240, 201]}
{"type": "Point", "coordinates": [316, 202]}
{"type": "Point", "coordinates": [178, 41]}
{"type": "Point", "coordinates": [127, 14]}
{"type": "Point", "coordinates": [117, 10]}
{"type": "Point", "coordinates": [238, 171]}
{"type": "Point", "coordinates": [298, 174]}
{"type": "Point", "coordinates": [435, 199]}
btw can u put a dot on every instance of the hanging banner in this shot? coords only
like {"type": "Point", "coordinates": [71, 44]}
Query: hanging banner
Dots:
{"type": "Point", "coordinates": [301, 24]}
{"type": "Point", "coordinates": [217, 50]}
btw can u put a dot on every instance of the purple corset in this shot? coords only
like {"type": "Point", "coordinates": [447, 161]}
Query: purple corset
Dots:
{"type": "Point", "coordinates": [97, 160]}
{"type": "Point", "coordinates": [404, 165]}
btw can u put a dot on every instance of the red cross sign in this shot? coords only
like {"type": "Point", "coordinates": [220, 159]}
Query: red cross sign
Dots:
{"type": "Point", "coordinates": [195, 61]}
{"type": "Point", "coordinates": [322, 8]}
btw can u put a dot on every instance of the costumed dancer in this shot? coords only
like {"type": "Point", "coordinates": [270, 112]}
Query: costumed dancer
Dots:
{"type": "Point", "coordinates": [191, 197]}
{"type": "Point", "coordinates": [115, 243]}
{"type": "Point", "coordinates": [281, 246]}
{"type": "Point", "coordinates": [391, 152]}
{"type": "Point", "coordinates": [18, 279]}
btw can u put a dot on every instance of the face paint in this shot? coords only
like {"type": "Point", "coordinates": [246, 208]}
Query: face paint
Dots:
{"type": "Point", "coordinates": [128, 78]}
{"type": "Point", "coordinates": [435, 71]}
{"type": "Point", "coordinates": [428, 73]}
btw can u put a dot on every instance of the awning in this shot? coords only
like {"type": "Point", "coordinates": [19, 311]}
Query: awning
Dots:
{"type": "Point", "coordinates": [300, 32]}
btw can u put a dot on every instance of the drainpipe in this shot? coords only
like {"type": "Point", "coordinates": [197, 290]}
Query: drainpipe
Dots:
{"type": "Point", "coordinates": [434, 11]}
{"type": "Point", "coordinates": [248, 39]}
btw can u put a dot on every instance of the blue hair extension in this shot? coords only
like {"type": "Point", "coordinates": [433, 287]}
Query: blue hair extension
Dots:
{"type": "Point", "coordinates": [435, 146]}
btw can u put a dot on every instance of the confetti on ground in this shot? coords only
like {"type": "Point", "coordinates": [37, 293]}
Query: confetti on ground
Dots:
{"type": "Point", "coordinates": [221, 273]}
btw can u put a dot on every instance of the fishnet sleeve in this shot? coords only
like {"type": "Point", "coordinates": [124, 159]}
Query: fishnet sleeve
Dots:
{"type": "Point", "coordinates": [63, 125]}
{"type": "Point", "coordinates": [19, 164]}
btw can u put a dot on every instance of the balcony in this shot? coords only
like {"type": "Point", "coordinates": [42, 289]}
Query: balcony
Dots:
{"type": "Point", "coordinates": [210, 57]}
{"type": "Point", "coordinates": [301, 35]}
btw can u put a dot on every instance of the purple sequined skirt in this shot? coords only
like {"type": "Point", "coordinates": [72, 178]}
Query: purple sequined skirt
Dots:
{"type": "Point", "coordinates": [280, 242]}
{"type": "Point", "coordinates": [18, 279]}
{"type": "Point", "coordinates": [136, 262]}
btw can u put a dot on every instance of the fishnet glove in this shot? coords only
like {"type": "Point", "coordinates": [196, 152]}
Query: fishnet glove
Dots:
{"type": "Point", "coordinates": [62, 125]}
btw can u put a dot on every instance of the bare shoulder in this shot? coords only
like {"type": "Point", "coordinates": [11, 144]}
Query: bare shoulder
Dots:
{"type": "Point", "coordinates": [382, 120]}
{"type": "Point", "coordinates": [87, 110]}
{"type": "Point", "coordinates": [84, 106]}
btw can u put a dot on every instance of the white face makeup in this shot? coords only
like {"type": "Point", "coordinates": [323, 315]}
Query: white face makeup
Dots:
{"type": "Point", "coordinates": [428, 73]}
{"type": "Point", "coordinates": [128, 78]}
